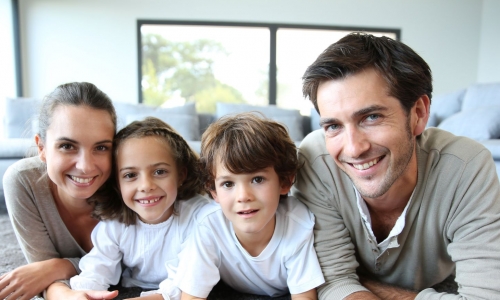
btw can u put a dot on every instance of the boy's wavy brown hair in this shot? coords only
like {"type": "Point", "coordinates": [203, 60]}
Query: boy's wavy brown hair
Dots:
{"type": "Point", "coordinates": [246, 143]}
{"type": "Point", "coordinates": [183, 155]}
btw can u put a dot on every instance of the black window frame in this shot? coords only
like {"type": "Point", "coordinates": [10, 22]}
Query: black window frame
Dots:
{"type": "Point", "coordinates": [273, 28]}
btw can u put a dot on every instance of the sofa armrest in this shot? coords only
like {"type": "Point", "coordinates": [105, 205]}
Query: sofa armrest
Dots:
{"type": "Point", "coordinates": [494, 147]}
{"type": "Point", "coordinates": [17, 147]}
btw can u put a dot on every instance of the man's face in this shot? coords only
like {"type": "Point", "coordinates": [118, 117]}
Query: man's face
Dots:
{"type": "Point", "coordinates": [368, 133]}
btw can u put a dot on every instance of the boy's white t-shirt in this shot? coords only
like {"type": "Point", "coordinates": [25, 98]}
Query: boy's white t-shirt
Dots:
{"type": "Point", "coordinates": [288, 264]}
{"type": "Point", "coordinates": [144, 252]}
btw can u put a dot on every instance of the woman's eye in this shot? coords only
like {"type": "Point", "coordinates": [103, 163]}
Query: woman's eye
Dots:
{"type": "Point", "coordinates": [102, 148]}
{"type": "Point", "coordinates": [258, 179]}
{"type": "Point", "coordinates": [66, 146]}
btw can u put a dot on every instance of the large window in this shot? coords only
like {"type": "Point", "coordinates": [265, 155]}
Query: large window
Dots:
{"type": "Point", "coordinates": [206, 63]}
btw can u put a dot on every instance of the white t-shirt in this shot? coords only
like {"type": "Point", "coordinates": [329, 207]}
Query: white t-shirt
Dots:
{"type": "Point", "coordinates": [144, 251]}
{"type": "Point", "coordinates": [287, 264]}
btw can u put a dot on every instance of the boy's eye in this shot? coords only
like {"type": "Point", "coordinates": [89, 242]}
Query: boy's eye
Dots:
{"type": "Point", "coordinates": [258, 179]}
{"type": "Point", "coordinates": [227, 184]}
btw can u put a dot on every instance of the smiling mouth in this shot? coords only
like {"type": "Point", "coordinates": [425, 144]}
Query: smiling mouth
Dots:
{"type": "Point", "coordinates": [366, 165]}
{"type": "Point", "coordinates": [144, 201]}
{"type": "Point", "coordinates": [247, 212]}
{"type": "Point", "coordinates": [81, 180]}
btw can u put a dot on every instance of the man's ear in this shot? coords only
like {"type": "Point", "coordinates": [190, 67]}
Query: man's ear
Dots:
{"type": "Point", "coordinates": [40, 147]}
{"type": "Point", "coordinates": [214, 195]}
{"type": "Point", "coordinates": [420, 111]}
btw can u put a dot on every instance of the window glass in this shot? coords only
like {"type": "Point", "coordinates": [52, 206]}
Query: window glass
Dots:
{"type": "Point", "coordinates": [204, 64]}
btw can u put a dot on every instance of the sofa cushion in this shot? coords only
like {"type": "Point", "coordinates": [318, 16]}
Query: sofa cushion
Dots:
{"type": "Point", "coordinates": [18, 116]}
{"type": "Point", "coordinates": [293, 125]}
{"type": "Point", "coordinates": [291, 118]}
{"type": "Point", "coordinates": [444, 106]}
{"type": "Point", "coordinates": [125, 109]}
{"type": "Point", "coordinates": [186, 125]}
{"type": "Point", "coordinates": [481, 95]}
{"type": "Point", "coordinates": [479, 124]}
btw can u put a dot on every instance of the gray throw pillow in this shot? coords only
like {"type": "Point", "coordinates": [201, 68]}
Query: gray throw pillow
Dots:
{"type": "Point", "coordinates": [188, 126]}
{"type": "Point", "coordinates": [291, 118]}
{"type": "Point", "coordinates": [18, 116]}
{"type": "Point", "coordinates": [481, 95]}
{"type": "Point", "coordinates": [479, 124]}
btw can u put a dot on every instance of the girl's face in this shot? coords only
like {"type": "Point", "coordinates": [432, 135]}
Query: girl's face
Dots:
{"type": "Point", "coordinates": [77, 151]}
{"type": "Point", "coordinates": [148, 177]}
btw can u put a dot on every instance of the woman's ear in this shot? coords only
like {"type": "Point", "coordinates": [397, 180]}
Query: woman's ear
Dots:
{"type": "Point", "coordinates": [40, 147]}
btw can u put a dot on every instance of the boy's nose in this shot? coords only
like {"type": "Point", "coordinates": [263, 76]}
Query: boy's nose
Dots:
{"type": "Point", "coordinates": [244, 194]}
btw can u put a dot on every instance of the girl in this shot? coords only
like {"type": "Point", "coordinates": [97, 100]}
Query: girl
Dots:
{"type": "Point", "coordinates": [144, 233]}
{"type": "Point", "coordinates": [50, 197]}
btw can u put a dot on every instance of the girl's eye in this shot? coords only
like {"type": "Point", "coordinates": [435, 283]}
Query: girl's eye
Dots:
{"type": "Point", "coordinates": [258, 179]}
{"type": "Point", "coordinates": [129, 175]}
{"type": "Point", "coordinates": [160, 172]}
{"type": "Point", "coordinates": [227, 184]}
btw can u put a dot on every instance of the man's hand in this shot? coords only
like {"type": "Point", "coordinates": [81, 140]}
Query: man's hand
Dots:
{"type": "Point", "coordinates": [387, 292]}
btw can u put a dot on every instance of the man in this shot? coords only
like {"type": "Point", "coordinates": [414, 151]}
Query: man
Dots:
{"type": "Point", "coordinates": [398, 208]}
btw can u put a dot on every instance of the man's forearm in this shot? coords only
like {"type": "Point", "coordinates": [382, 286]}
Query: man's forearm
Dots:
{"type": "Point", "coordinates": [362, 296]}
{"type": "Point", "coordinates": [386, 292]}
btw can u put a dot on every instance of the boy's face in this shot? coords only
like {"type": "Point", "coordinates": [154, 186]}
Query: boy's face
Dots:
{"type": "Point", "coordinates": [249, 200]}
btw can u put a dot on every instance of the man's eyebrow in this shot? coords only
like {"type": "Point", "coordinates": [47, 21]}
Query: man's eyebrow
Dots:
{"type": "Point", "coordinates": [368, 110]}
{"type": "Point", "coordinates": [362, 112]}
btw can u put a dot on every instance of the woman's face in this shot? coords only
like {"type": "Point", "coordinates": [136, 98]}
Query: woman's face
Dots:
{"type": "Point", "coordinates": [77, 151]}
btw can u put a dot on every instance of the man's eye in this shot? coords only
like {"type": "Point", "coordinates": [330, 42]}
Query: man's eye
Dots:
{"type": "Point", "coordinates": [372, 117]}
{"type": "Point", "coordinates": [258, 179]}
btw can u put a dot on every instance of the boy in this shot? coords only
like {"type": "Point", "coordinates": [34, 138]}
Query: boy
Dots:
{"type": "Point", "coordinates": [256, 239]}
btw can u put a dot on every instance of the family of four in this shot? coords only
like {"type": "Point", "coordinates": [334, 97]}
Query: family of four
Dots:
{"type": "Point", "coordinates": [374, 206]}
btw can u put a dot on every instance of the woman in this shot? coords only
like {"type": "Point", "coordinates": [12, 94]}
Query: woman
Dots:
{"type": "Point", "coordinates": [50, 197]}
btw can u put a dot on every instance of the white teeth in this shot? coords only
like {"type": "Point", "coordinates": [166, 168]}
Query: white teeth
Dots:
{"type": "Point", "coordinates": [148, 201]}
{"type": "Point", "coordinates": [81, 180]}
{"type": "Point", "coordinates": [366, 165]}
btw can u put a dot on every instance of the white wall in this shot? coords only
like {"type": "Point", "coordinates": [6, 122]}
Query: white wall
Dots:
{"type": "Point", "coordinates": [489, 47]}
{"type": "Point", "coordinates": [95, 40]}
{"type": "Point", "coordinates": [7, 68]}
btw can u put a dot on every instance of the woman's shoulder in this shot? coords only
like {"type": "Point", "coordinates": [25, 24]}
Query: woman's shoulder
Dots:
{"type": "Point", "coordinates": [31, 166]}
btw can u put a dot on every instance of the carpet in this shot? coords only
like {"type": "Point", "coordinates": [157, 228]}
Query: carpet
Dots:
{"type": "Point", "coordinates": [11, 257]}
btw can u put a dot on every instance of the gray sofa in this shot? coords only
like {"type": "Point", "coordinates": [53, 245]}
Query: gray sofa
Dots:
{"type": "Point", "coordinates": [20, 125]}
{"type": "Point", "coordinates": [473, 112]}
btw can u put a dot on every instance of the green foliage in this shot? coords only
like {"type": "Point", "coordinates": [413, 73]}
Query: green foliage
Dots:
{"type": "Point", "coordinates": [183, 69]}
